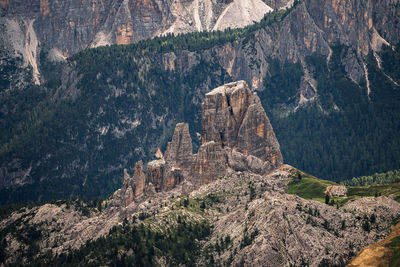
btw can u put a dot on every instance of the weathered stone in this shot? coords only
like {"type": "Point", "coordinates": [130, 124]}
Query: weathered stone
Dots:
{"type": "Point", "coordinates": [256, 136]}
{"type": "Point", "coordinates": [139, 179]}
{"type": "Point", "coordinates": [210, 164]}
{"type": "Point", "coordinates": [179, 150]}
{"type": "Point", "coordinates": [233, 117]}
{"type": "Point", "coordinates": [240, 162]}
{"type": "Point", "coordinates": [155, 173]}
{"type": "Point", "coordinates": [237, 135]}
{"type": "Point", "coordinates": [336, 191]}
{"type": "Point", "coordinates": [222, 113]}
{"type": "Point", "coordinates": [128, 197]}
{"type": "Point", "coordinates": [127, 180]}
{"type": "Point", "coordinates": [159, 154]}
{"type": "Point", "coordinates": [162, 176]}
{"type": "Point", "coordinates": [172, 178]}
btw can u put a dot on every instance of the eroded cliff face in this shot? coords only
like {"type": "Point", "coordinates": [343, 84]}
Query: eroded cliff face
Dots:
{"type": "Point", "coordinates": [71, 26]}
{"type": "Point", "coordinates": [311, 28]}
{"type": "Point", "coordinates": [234, 117]}
{"type": "Point", "coordinates": [236, 136]}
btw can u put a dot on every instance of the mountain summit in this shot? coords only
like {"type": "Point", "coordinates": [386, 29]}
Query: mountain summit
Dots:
{"type": "Point", "coordinates": [236, 136]}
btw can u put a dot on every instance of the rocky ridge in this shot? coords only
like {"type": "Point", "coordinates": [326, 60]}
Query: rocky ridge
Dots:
{"type": "Point", "coordinates": [289, 230]}
{"type": "Point", "coordinates": [244, 188]}
{"type": "Point", "coordinates": [66, 28]}
{"type": "Point", "coordinates": [310, 29]}
{"type": "Point", "coordinates": [236, 136]}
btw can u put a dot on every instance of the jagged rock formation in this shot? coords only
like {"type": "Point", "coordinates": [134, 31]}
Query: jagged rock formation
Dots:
{"type": "Point", "coordinates": [234, 117]}
{"type": "Point", "coordinates": [179, 150]}
{"type": "Point", "coordinates": [132, 187]}
{"type": "Point", "coordinates": [237, 135]}
{"type": "Point", "coordinates": [289, 230]}
{"type": "Point", "coordinates": [67, 27]}
{"type": "Point", "coordinates": [311, 28]}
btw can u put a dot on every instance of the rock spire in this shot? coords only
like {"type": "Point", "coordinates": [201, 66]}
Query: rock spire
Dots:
{"type": "Point", "coordinates": [236, 136]}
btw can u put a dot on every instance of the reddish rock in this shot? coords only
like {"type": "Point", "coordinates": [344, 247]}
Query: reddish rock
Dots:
{"type": "Point", "coordinates": [256, 136]}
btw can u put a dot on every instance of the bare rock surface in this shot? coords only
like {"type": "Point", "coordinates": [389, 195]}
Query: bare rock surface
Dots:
{"type": "Point", "coordinates": [336, 190]}
{"type": "Point", "coordinates": [236, 135]}
{"type": "Point", "coordinates": [285, 229]}
{"type": "Point", "coordinates": [179, 150]}
{"type": "Point", "coordinates": [234, 117]}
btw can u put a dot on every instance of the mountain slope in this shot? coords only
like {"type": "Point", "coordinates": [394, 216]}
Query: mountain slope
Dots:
{"type": "Point", "coordinates": [110, 106]}
{"type": "Point", "coordinates": [66, 28]}
{"type": "Point", "coordinates": [251, 218]}
{"type": "Point", "coordinates": [225, 205]}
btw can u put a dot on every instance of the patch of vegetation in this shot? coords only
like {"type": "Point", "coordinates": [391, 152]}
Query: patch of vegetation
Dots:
{"type": "Point", "coordinates": [375, 190]}
{"type": "Point", "coordinates": [132, 245]}
{"type": "Point", "coordinates": [308, 187]}
{"type": "Point", "coordinates": [248, 238]}
{"type": "Point", "coordinates": [377, 178]}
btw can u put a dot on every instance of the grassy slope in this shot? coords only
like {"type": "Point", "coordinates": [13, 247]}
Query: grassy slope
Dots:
{"type": "Point", "coordinates": [310, 187]}
{"type": "Point", "coordinates": [384, 253]}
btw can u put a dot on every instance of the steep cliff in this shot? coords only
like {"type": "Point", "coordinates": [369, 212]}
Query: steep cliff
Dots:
{"type": "Point", "coordinates": [67, 27]}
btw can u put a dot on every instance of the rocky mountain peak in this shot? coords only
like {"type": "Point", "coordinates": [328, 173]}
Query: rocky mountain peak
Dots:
{"type": "Point", "coordinates": [236, 136]}
{"type": "Point", "coordinates": [234, 117]}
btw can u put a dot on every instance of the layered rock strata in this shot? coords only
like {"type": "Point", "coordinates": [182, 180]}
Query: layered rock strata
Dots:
{"type": "Point", "coordinates": [236, 136]}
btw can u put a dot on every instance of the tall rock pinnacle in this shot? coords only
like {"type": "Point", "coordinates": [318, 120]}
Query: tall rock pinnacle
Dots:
{"type": "Point", "coordinates": [234, 117]}
{"type": "Point", "coordinates": [179, 150]}
{"type": "Point", "coordinates": [236, 136]}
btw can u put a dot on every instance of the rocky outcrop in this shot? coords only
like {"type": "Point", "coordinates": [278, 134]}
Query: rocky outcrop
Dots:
{"type": "Point", "coordinates": [236, 135]}
{"type": "Point", "coordinates": [162, 176]}
{"type": "Point", "coordinates": [271, 229]}
{"type": "Point", "coordinates": [234, 117]}
{"type": "Point", "coordinates": [139, 179]}
{"type": "Point", "coordinates": [336, 191]}
{"type": "Point", "coordinates": [179, 150]}
{"type": "Point", "coordinates": [132, 187]}
{"type": "Point", "coordinates": [210, 164]}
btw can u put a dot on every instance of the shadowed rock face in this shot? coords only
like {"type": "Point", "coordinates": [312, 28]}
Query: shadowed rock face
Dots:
{"type": "Point", "coordinates": [237, 135]}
